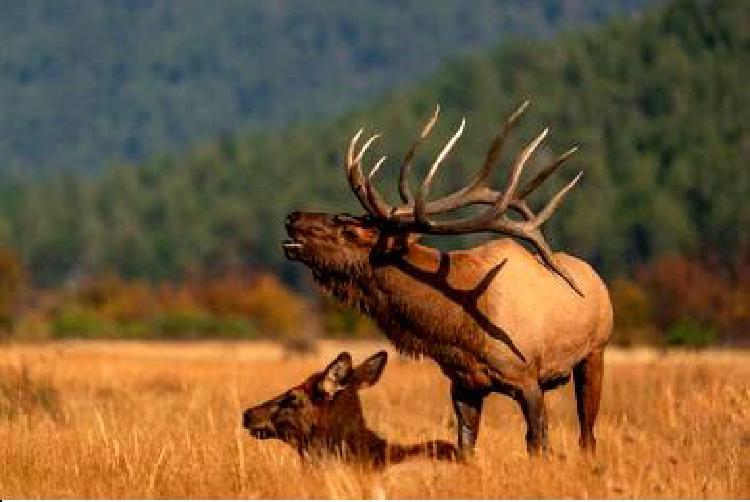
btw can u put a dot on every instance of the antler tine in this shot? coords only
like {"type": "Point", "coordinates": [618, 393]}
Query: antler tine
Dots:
{"type": "Point", "coordinates": [515, 172]}
{"type": "Point", "coordinates": [496, 147]}
{"type": "Point", "coordinates": [552, 205]}
{"type": "Point", "coordinates": [519, 204]}
{"type": "Point", "coordinates": [427, 182]}
{"type": "Point", "coordinates": [477, 191]}
{"type": "Point", "coordinates": [407, 197]}
{"type": "Point", "coordinates": [350, 152]}
{"type": "Point", "coordinates": [351, 171]}
{"type": "Point", "coordinates": [365, 193]}
{"type": "Point", "coordinates": [376, 167]}
{"type": "Point", "coordinates": [367, 144]}
{"type": "Point", "coordinates": [545, 252]}
{"type": "Point", "coordinates": [534, 183]}
{"type": "Point", "coordinates": [421, 196]}
{"type": "Point", "coordinates": [415, 216]}
{"type": "Point", "coordinates": [521, 207]}
{"type": "Point", "coordinates": [377, 204]}
{"type": "Point", "coordinates": [381, 207]}
{"type": "Point", "coordinates": [493, 218]}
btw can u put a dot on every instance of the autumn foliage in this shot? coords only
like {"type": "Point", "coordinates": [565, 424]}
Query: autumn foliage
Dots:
{"type": "Point", "coordinates": [680, 301]}
{"type": "Point", "coordinates": [12, 282]}
{"type": "Point", "coordinates": [674, 300]}
{"type": "Point", "coordinates": [237, 305]}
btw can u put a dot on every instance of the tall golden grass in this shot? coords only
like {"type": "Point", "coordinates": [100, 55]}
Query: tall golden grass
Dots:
{"type": "Point", "coordinates": [115, 420]}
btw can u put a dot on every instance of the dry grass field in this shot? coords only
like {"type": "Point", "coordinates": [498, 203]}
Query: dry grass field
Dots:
{"type": "Point", "coordinates": [115, 420]}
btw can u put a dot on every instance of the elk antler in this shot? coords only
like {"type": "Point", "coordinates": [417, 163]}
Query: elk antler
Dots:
{"type": "Point", "coordinates": [416, 212]}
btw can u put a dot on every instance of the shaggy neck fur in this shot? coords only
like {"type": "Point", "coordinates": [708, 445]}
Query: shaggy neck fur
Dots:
{"type": "Point", "coordinates": [412, 303]}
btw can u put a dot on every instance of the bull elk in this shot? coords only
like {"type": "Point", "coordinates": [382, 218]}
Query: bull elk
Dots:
{"type": "Point", "coordinates": [324, 415]}
{"type": "Point", "coordinates": [495, 318]}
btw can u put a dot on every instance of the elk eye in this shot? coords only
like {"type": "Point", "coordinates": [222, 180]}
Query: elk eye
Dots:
{"type": "Point", "coordinates": [318, 396]}
{"type": "Point", "coordinates": [349, 233]}
{"type": "Point", "coordinates": [291, 400]}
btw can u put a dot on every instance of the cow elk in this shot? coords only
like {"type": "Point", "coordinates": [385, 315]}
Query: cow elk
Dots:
{"type": "Point", "coordinates": [495, 318]}
{"type": "Point", "coordinates": [323, 415]}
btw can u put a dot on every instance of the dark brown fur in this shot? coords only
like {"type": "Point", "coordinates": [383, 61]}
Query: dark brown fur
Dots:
{"type": "Point", "coordinates": [323, 415]}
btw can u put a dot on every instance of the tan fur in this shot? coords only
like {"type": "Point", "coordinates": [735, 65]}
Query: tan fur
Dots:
{"type": "Point", "coordinates": [494, 318]}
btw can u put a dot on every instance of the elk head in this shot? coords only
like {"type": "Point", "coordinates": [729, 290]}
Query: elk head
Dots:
{"type": "Point", "coordinates": [322, 412]}
{"type": "Point", "coordinates": [341, 247]}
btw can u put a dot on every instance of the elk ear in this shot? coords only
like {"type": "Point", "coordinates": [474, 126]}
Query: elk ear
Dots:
{"type": "Point", "coordinates": [370, 371]}
{"type": "Point", "coordinates": [333, 377]}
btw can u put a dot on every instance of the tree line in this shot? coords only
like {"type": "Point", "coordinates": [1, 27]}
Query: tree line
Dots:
{"type": "Point", "coordinates": [659, 107]}
{"type": "Point", "coordinates": [87, 83]}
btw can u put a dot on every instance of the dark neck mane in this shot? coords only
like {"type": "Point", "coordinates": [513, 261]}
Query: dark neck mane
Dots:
{"type": "Point", "coordinates": [412, 301]}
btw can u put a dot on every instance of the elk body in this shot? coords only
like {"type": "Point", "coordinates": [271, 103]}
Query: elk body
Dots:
{"type": "Point", "coordinates": [323, 415]}
{"type": "Point", "coordinates": [495, 318]}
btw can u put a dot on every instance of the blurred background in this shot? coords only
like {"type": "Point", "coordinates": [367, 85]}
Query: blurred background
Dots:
{"type": "Point", "coordinates": [149, 151]}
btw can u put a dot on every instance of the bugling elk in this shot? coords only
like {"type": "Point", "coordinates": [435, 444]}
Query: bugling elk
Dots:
{"type": "Point", "coordinates": [495, 318]}
{"type": "Point", "coordinates": [324, 415]}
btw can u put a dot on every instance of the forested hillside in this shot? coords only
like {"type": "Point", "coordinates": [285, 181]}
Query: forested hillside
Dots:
{"type": "Point", "coordinates": [87, 83]}
{"type": "Point", "coordinates": [660, 108]}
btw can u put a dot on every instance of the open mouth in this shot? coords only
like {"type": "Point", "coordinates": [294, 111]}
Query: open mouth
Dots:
{"type": "Point", "coordinates": [291, 249]}
{"type": "Point", "coordinates": [262, 433]}
{"type": "Point", "coordinates": [290, 244]}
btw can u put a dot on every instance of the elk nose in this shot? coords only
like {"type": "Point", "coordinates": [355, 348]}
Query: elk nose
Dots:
{"type": "Point", "coordinates": [247, 419]}
{"type": "Point", "coordinates": [292, 218]}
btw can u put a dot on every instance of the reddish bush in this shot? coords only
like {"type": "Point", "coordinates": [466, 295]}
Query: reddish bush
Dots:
{"type": "Point", "coordinates": [119, 300]}
{"type": "Point", "coordinates": [681, 288]}
{"type": "Point", "coordinates": [228, 295]}
{"type": "Point", "coordinates": [276, 310]}
{"type": "Point", "coordinates": [12, 282]}
{"type": "Point", "coordinates": [633, 314]}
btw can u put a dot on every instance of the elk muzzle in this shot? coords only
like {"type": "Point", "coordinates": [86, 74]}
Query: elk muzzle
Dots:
{"type": "Point", "coordinates": [308, 231]}
{"type": "Point", "coordinates": [258, 423]}
{"type": "Point", "coordinates": [292, 246]}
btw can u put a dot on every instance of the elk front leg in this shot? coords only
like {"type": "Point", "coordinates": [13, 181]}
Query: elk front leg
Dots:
{"type": "Point", "coordinates": [535, 413]}
{"type": "Point", "coordinates": [468, 407]}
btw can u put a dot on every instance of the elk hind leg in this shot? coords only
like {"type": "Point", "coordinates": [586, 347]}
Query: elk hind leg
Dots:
{"type": "Point", "coordinates": [587, 377]}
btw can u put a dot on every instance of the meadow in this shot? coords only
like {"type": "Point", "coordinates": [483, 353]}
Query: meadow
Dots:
{"type": "Point", "coordinates": [162, 420]}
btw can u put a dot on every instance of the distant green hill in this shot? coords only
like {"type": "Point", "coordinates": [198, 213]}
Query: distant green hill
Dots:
{"type": "Point", "coordinates": [86, 83]}
{"type": "Point", "coordinates": [660, 107]}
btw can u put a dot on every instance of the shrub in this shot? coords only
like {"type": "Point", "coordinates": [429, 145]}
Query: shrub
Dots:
{"type": "Point", "coordinates": [276, 310]}
{"type": "Point", "coordinates": [136, 330]}
{"type": "Point", "coordinates": [76, 321]}
{"type": "Point", "coordinates": [681, 288]}
{"type": "Point", "coordinates": [687, 332]}
{"type": "Point", "coordinates": [633, 314]}
{"type": "Point", "coordinates": [234, 327]}
{"type": "Point", "coordinates": [228, 296]}
{"type": "Point", "coordinates": [192, 325]}
{"type": "Point", "coordinates": [31, 326]}
{"type": "Point", "coordinates": [118, 299]}
{"type": "Point", "coordinates": [177, 324]}
{"type": "Point", "coordinates": [12, 281]}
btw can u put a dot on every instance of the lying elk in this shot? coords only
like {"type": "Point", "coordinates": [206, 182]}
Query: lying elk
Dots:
{"type": "Point", "coordinates": [495, 318]}
{"type": "Point", "coordinates": [324, 415]}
